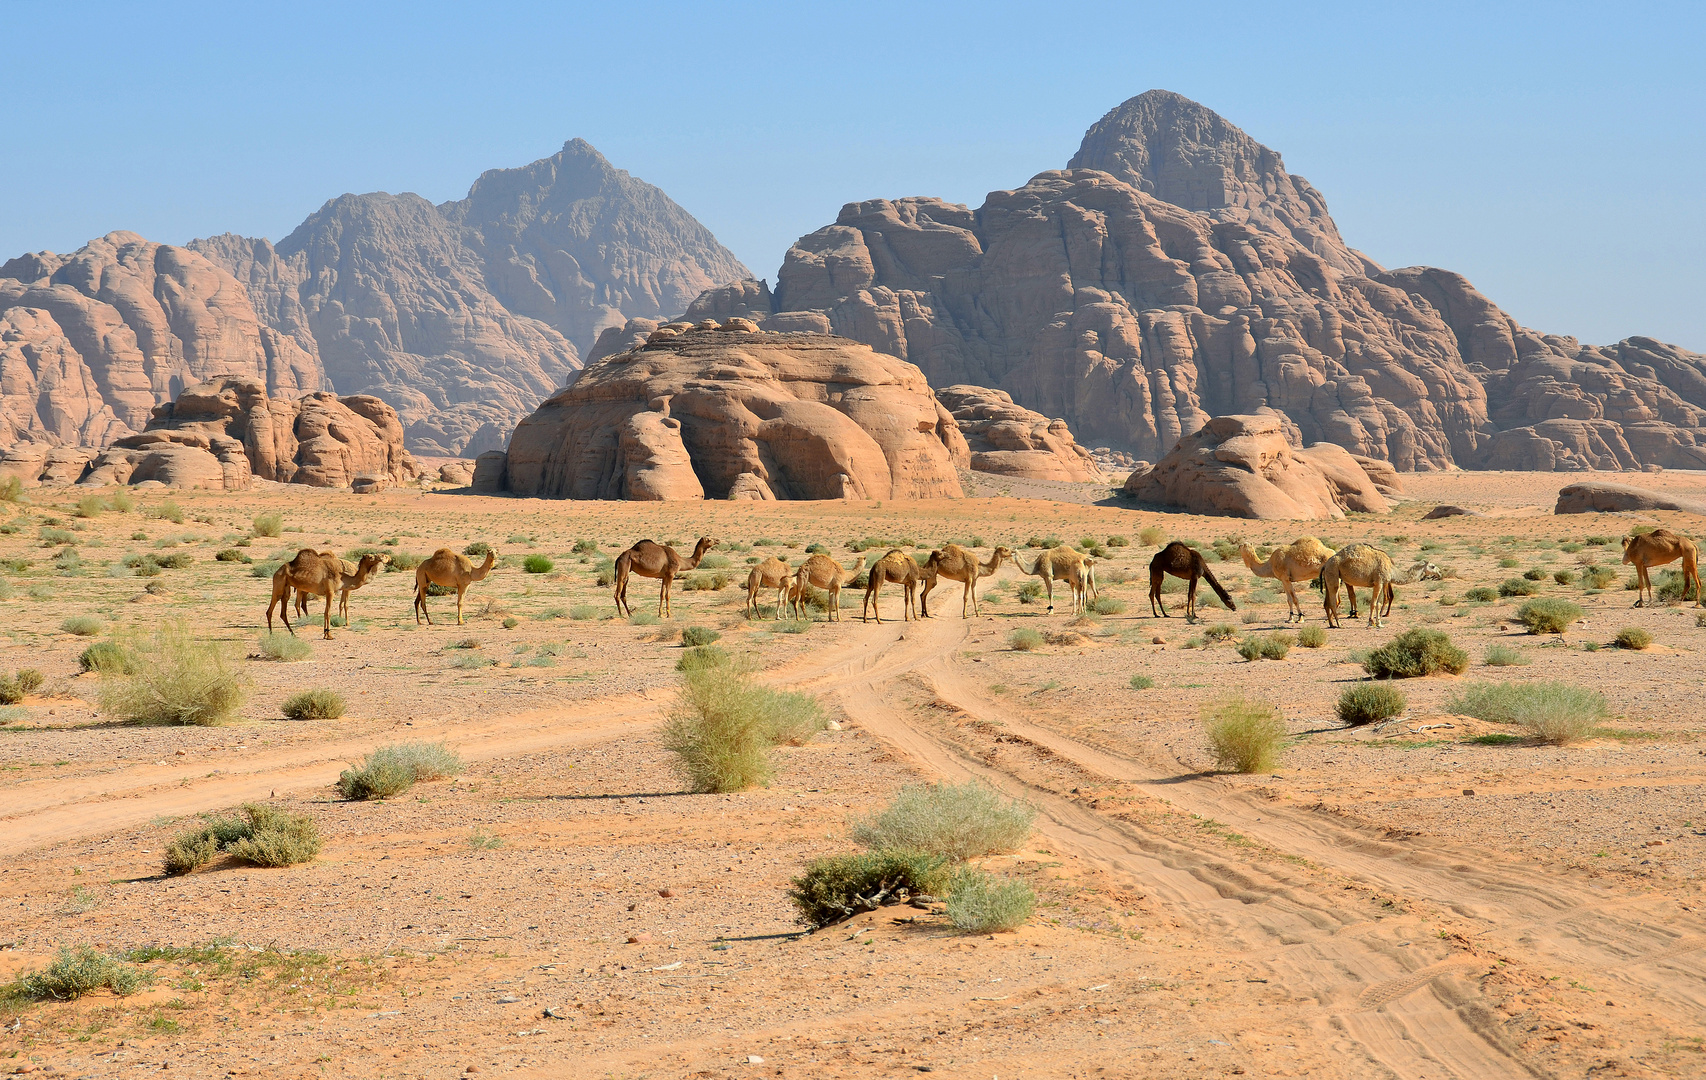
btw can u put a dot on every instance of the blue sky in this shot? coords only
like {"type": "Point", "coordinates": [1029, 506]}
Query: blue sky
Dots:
{"type": "Point", "coordinates": [1555, 160]}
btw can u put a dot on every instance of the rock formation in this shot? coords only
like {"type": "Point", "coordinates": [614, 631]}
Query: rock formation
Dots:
{"type": "Point", "coordinates": [1601, 498]}
{"type": "Point", "coordinates": [1245, 466]}
{"type": "Point", "coordinates": [464, 316]}
{"type": "Point", "coordinates": [723, 411]}
{"type": "Point", "coordinates": [1011, 440]}
{"type": "Point", "coordinates": [1177, 271]}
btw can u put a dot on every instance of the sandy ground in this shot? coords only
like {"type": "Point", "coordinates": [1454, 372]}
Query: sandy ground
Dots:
{"type": "Point", "coordinates": [1397, 902]}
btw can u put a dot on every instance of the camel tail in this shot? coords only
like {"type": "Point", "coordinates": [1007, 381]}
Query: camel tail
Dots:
{"type": "Point", "coordinates": [1225, 597]}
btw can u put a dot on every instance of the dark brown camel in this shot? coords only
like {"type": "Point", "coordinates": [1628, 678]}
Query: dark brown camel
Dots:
{"type": "Point", "coordinates": [648, 559]}
{"type": "Point", "coordinates": [1182, 561]}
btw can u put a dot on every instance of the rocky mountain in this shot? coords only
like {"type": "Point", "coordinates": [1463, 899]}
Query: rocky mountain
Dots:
{"type": "Point", "coordinates": [1176, 271]}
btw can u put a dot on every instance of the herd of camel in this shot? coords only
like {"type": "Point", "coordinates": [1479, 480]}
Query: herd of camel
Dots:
{"type": "Point", "coordinates": [1364, 566]}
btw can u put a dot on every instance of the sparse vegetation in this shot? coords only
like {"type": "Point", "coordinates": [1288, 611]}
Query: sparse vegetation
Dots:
{"type": "Point", "coordinates": [232, 555]}
{"type": "Point", "coordinates": [980, 904]}
{"type": "Point", "coordinates": [1518, 587]}
{"type": "Point", "coordinates": [394, 769]}
{"type": "Point", "coordinates": [538, 564]}
{"type": "Point", "coordinates": [1633, 637]}
{"type": "Point", "coordinates": [724, 724]}
{"type": "Point", "coordinates": [583, 612]}
{"type": "Point", "coordinates": [78, 971]}
{"type": "Point", "coordinates": [1505, 656]}
{"type": "Point", "coordinates": [269, 524]}
{"type": "Point", "coordinates": [169, 511]}
{"type": "Point", "coordinates": [1152, 536]}
{"type": "Point", "coordinates": [1548, 615]}
{"type": "Point", "coordinates": [838, 887]}
{"type": "Point", "coordinates": [1414, 653]}
{"type": "Point", "coordinates": [1029, 592]}
{"type": "Point", "coordinates": [1370, 702]}
{"type": "Point", "coordinates": [642, 618]}
{"type": "Point", "coordinates": [313, 705]}
{"type": "Point", "coordinates": [186, 680]}
{"type": "Point", "coordinates": [700, 635]}
{"type": "Point", "coordinates": [1552, 711]}
{"type": "Point", "coordinates": [1107, 605]}
{"type": "Point", "coordinates": [1564, 577]}
{"type": "Point", "coordinates": [1599, 577]}
{"type": "Point", "coordinates": [1480, 594]}
{"type": "Point", "coordinates": [1244, 734]}
{"type": "Point", "coordinates": [263, 836]}
{"type": "Point", "coordinates": [1311, 637]}
{"type": "Point", "coordinates": [702, 656]}
{"type": "Point", "coordinates": [90, 506]}
{"type": "Point", "coordinates": [19, 685]}
{"type": "Point", "coordinates": [1142, 682]}
{"type": "Point", "coordinates": [1024, 640]}
{"type": "Point", "coordinates": [479, 549]}
{"type": "Point", "coordinates": [957, 821]}
{"type": "Point", "coordinates": [278, 645]}
{"type": "Point", "coordinates": [107, 656]}
{"type": "Point", "coordinates": [1274, 646]}
{"type": "Point", "coordinates": [83, 625]}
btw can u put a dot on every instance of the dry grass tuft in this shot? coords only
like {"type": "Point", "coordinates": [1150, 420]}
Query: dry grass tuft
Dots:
{"type": "Point", "coordinates": [1244, 734]}
{"type": "Point", "coordinates": [313, 705]}
{"type": "Point", "coordinates": [1552, 711]}
{"type": "Point", "coordinates": [264, 836]}
{"type": "Point", "coordinates": [957, 821]}
{"type": "Point", "coordinates": [981, 904]}
{"type": "Point", "coordinates": [78, 971]}
{"type": "Point", "coordinates": [394, 769]}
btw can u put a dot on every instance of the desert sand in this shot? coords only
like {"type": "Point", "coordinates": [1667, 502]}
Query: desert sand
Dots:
{"type": "Point", "coordinates": [1393, 901]}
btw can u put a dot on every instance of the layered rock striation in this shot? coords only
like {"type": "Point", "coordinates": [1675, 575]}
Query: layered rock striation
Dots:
{"type": "Point", "coordinates": [1010, 440]}
{"type": "Point", "coordinates": [723, 411]}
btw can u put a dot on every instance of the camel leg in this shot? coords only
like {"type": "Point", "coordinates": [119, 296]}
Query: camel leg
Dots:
{"type": "Point", "coordinates": [326, 627]}
{"type": "Point", "coordinates": [1048, 583]}
{"type": "Point", "coordinates": [460, 589]}
{"type": "Point", "coordinates": [1155, 597]}
{"type": "Point", "coordinates": [1640, 584]}
{"type": "Point", "coordinates": [1191, 600]}
{"type": "Point", "coordinates": [968, 598]}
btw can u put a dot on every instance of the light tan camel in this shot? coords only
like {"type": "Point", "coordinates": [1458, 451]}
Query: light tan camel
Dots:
{"type": "Point", "coordinates": [903, 570]}
{"type": "Point", "coordinates": [1657, 548]}
{"type": "Point", "coordinates": [1183, 561]}
{"type": "Point", "coordinates": [1358, 565]}
{"type": "Point", "coordinates": [823, 572]}
{"type": "Point", "coordinates": [1066, 565]}
{"type": "Point", "coordinates": [449, 569]}
{"type": "Point", "coordinates": [957, 564]}
{"type": "Point", "coordinates": [349, 570]}
{"type": "Point", "coordinates": [772, 573]}
{"type": "Point", "coordinates": [648, 559]}
{"type": "Point", "coordinates": [320, 575]}
{"type": "Point", "coordinates": [1297, 561]}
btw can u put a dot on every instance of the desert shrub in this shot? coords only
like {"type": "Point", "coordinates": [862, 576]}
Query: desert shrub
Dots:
{"type": "Point", "coordinates": [583, 612]}
{"type": "Point", "coordinates": [702, 656]}
{"type": "Point", "coordinates": [1552, 711]}
{"type": "Point", "coordinates": [264, 836]}
{"type": "Point", "coordinates": [1107, 605]}
{"type": "Point", "coordinates": [19, 685]}
{"type": "Point", "coordinates": [1415, 653]}
{"type": "Point", "coordinates": [1508, 561]}
{"type": "Point", "coordinates": [1024, 640]}
{"type": "Point", "coordinates": [1517, 587]}
{"type": "Point", "coordinates": [838, 887]}
{"type": "Point", "coordinates": [83, 625]}
{"type": "Point", "coordinates": [121, 501]}
{"type": "Point", "coordinates": [1598, 577]}
{"type": "Point", "coordinates": [232, 555]}
{"type": "Point", "coordinates": [1549, 615]}
{"type": "Point", "coordinates": [793, 626]}
{"type": "Point", "coordinates": [1564, 577]}
{"type": "Point", "coordinates": [585, 547]}
{"type": "Point", "coordinates": [11, 489]}
{"type": "Point", "coordinates": [479, 549]}
{"type": "Point", "coordinates": [1029, 592]}
{"type": "Point", "coordinates": [50, 537]}
{"type": "Point", "coordinates": [175, 560]}
{"type": "Point", "coordinates": [700, 635]}
{"type": "Point", "coordinates": [708, 582]}
{"type": "Point", "coordinates": [1534, 573]}
{"type": "Point", "coordinates": [1274, 646]}
{"type": "Point", "coordinates": [718, 732]}
{"type": "Point", "coordinates": [313, 705]}
{"type": "Point", "coordinates": [1672, 586]}
{"type": "Point", "coordinates": [269, 524]}
{"type": "Point", "coordinates": [1244, 734]}
{"type": "Point", "coordinates": [90, 506]}
{"type": "Point", "coordinates": [1221, 632]}
{"type": "Point", "coordinates": [1633, 637]}
{"type": "Point", "coordinates": [537, 564]}
{"type": "Point", "coordinates": [284, 646]}
{"type": "Point", "coordinates": [107, 656]}
{"type": "Point", "coordinates": [642, 618]}
{"type": "Point", "coordinates": [1312, 637]}
{"type": "Point", "coordinates": [1505, 656]}
{"type": "Point", "coordinates": [1142, 682]}
{"type": "Point", "coordinates": [169, 511]}
{"type": "Point", "coordinates": [393, 769]}
{"type": "Point", "coordinates": [78, 971]}
{"type": "Point", "coordinates": [790, 718]}
{"type": "Point", "coordinates": [981, 904]}
{"type": "Point", "coordinates": [1481, 595]}
{"type": "Point", "coordinates": [186, 680]}
{"type": "Point", "coordinates": [1368, 702]}
{"type": "Point", "coordinates": [1152, 536]}
{"type": "Point", "coordinates": [68, 560]}
{"type": "Point", "coordinates": [957, 821]}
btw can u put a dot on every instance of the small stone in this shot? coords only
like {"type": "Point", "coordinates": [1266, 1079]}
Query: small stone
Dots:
{"type": "Point", "coordinates": [833, 725]}
{"type": "Point", "coordinates": [666, 893]}
{"type": "Point", "coordinates": [1158, 640]}
{"type": "Point", "coordinates": [631, 907]}
{"type": "Point", "coordinates": [636, 939]}
{"type": "Point", "coordinates": [472, 1069]}
{"type": "Point", "coordinates": [1468, 791]}
{"type": "Point", "coordinates": [754, 1059]}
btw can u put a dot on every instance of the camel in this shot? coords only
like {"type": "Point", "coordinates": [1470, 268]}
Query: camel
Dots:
{"type": "Point", "coordinates": [450, 569]}
{"type": "Point", "coordinates": [1358, 565]}
{"type": "Point", "coordinates": [957, 564]}
{"type": "Point", "coordinates": [823, 572]}
{"type": "Point", "coordinates": [321, 575]}
{"type": "Point", "coordinates": [772, 573]}
{"type": "Point", "coordinates": [1657, 548]}
{"type": "Point", "coordinates": [1182, 561]}
{"type": "Point", "coordinates": [660, 561]}
{"type": "Point", "coordinates": [902, 569]}
{"type": "Point", "coordinates": [1065, 565]}
{"type": "Point", "coordinates": [348, 569]}
{"type": "Point", "coordinates": [1298, 561]}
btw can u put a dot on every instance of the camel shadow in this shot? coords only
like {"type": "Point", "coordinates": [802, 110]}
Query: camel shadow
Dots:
{"type": "Point", "coordinates": [596, 798]}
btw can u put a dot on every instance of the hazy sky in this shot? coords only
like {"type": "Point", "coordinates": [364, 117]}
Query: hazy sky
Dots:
{"type": "Point", "coordinates": [1556, 161]}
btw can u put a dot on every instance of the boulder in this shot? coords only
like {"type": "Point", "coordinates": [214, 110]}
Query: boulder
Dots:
{"type": "Point", "coordinates": [732, 412]}
{"type": "Point", "coordinates": [460, 473]}
{"type": "Point", "coordinates": [1243, 466]}
{"type": "Point", "coordinates": [369, 485]}
{"type": "Point", "coordinates": [1600, 498]}
{"type": "Point", "coordinates": [1010, 440]}
{"type": "Point", "coordinates": [1446, 511]}
{"type": "Point", "coordinates": [491, 471]}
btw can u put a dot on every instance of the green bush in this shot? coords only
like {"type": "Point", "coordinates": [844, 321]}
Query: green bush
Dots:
{"type": "Point", "coordinates": [264, 836]}
{"type": "Point", "coordinates": [1505, 656]}
{"type": "Point", "coordinates": [90, 506]}
{"type": "Point", "coordinates": [1673, 586]}
{"type": "Point", "coordinates": [838, 887]}
{"type": "Point", "coordinates": [269, 524]}
{"type": "Point", "coordinates": [643, 618]}
{"type": "Point", "coordinates": [980, 904]}
{"type": "Point", "coordinates": [957, 821]}
{"type": "Point", "coordinates": [1549, 615]}
{"type": "Point", "coordinates": [585, 547]}
{"type": "Point", "coordinates": [1415, 653]}
{"type": "Point", "coordinates": [83, 625]}
{"type": "Point", "coordinates": [1534, 573]}
{"type": "Point", "coordinates": [107, 656]}
{"type": "Point", "coordinates": [537, 564]}
{"type": "Point", "coordinates": [1244, 734]}
{"type": "Point", "coordinates": [169, 511]}
{"type": "Point", "coordinates": [702, 656]}
{"type": "Point", "coordinates": [313, 705]}
{"type": "Point", "coordinates": [583, 612]}
{"type": "Point", "coordinates": [78, 971]}
{"type": "Point", "coordinates": [277, 645]}
{"type": "Point", "coordinates": [700, 635]}
{"type": "Point", "coordinates": [232, 555]}
{"type": "Point", "coordinates": [1029, 592]}
{"type": "Point", "coordinates": [1480, 594]}
{"type": "Point", "coordinates": [1024, 640]}
{"type": "Point", "coordinates": [1274, 646]}
{"type": "Point", "coordinates": [1142, 682]}
{"type": "Point", "coordinates": [19, 685]}
{"type": "Point", "coordinates": [121, 501]}
{"type": "Point", "coordinates": [186, 680]}
{"type": "Point", "coordinates": [1221, 632]}
{"type": "Point", "coordinates": [1598, 577]}
{"type": "Point", "coordinates": [791, 718]}
{"type": "Point", "coordinates": [1518, 587]}
{"type": "Point", "coordinates": [1368, 702]}
{"type": "Point", "coordinates": [392, 770]}
{"type": "Point", "coordinates": [11, 489]}
{"type": "Point", "coordinates": [1508, 561]}
{"type": "Point", "coordinates": [479, 549]}
{"type": "Point", "coordinates": [1552, 711]}
{"type": "Point", "coordinates": [723, 726]}
{"type": "Point", "coordinates": [1564, 577]}
{"type": "Point", "coordinates": [1107, 605]}
{"type": "Point", "coordinates": [1633, 637]}
{"type": "Point", "coordinates": [1312, 637]}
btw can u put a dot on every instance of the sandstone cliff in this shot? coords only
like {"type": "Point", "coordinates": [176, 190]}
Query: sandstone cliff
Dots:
{"type": "Point", "coordinates": [723, 411]}
{"type": "Point", "coordinates": [1177, 271]}
{"type": "Point", "coordinates": [1011, 440]}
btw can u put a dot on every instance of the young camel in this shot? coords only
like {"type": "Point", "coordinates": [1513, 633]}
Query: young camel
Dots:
{"type": "Point", "coordinates": [1358, 565]}
{"type": "Point", "coordinates": [318, 574]}
{"type": "Point", "coordinates": [823, 572]}
{"type": "Point", "coordinates": [648, 559]}
{"type": "Point", "coordinates": [902, 569]}
{"type": "Point", "coordinates": [349, 570]}
{"type": "Point", "coordinates": [1298, 561]}
{"type": "Point", "coordinates": [772, 573]}
{"type": "Point", "coordinates": [1063, 564]}
{"type": "Point", "coordinates": [1657, 548]}
{"type": "Point", "coordinates": [1182, 561]}
{"type": "Point", "coordinates": [957, 564]}
{"type": "Point", "coordinates": [450, 569]}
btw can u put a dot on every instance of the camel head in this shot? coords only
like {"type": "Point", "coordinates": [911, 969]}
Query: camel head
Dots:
{"type": "Point", "coordinates": [995, 558]}
{"type": "Point", "coordinates": [705, 544]}
{"type": "Point", "coordinates": [1248, 556]}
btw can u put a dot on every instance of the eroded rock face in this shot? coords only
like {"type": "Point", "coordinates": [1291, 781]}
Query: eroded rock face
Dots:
{"type": "Point", "coordinates": [1604, 498]}
{"type": "Point", "coordinates": [1244, 466]}
{"type": "Point", "coordinates": [731, 412]}
{"type": "Point", "coordinates": [91, 342]}
{"type": "Point", "coordinates": [1011, 440]}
